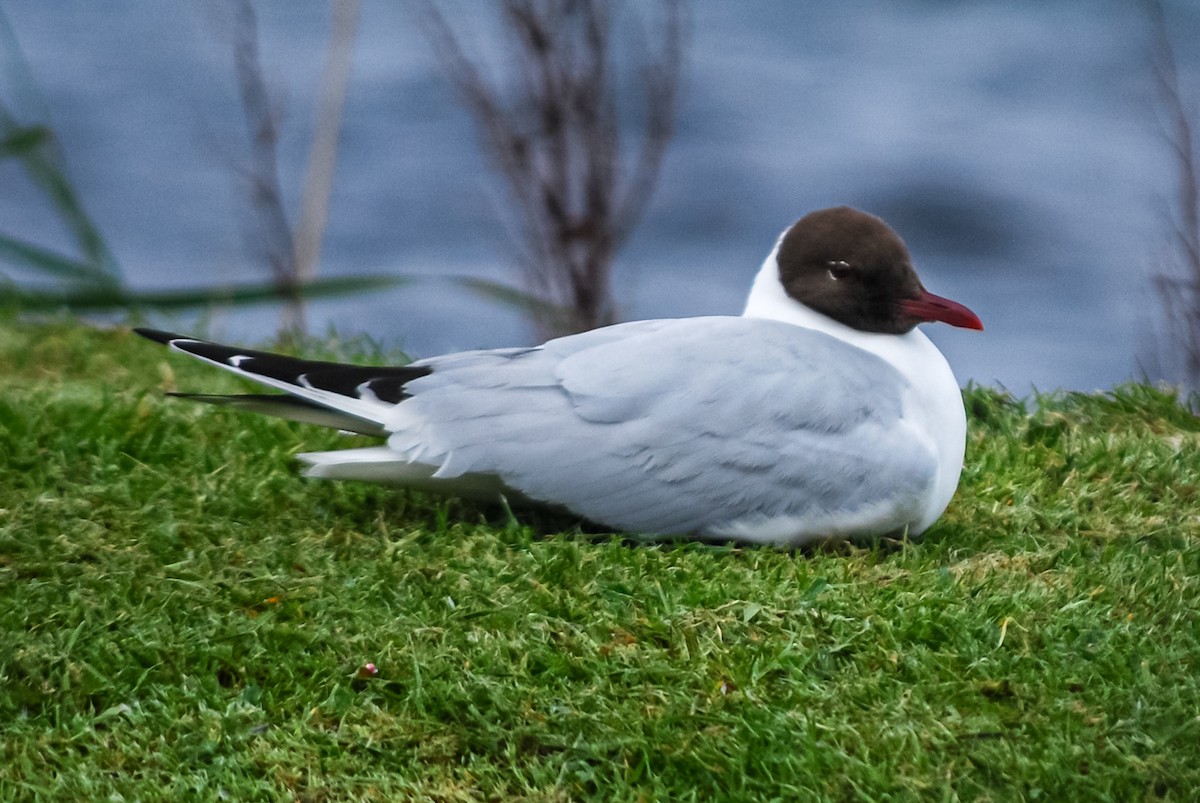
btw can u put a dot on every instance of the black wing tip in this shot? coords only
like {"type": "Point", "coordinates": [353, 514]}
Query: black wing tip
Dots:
{"type": "Point", "coordinates": [158, 335]}
{"type": "Point", "coordinates": [385, 382]}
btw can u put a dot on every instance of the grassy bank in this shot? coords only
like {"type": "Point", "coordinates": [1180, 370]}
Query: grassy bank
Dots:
{"type": "Point", "coordinates": [183, 617]}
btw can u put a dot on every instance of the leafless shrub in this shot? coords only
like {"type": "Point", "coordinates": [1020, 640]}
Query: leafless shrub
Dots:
{"type": "Point", "coordinates": [291, 258]}
{"type": "Point", "coordinates": [1177, 278]}
{"type": "Point", "coordinates": [86, 277]}
{"type": "Point", "coordinates": [554, 134]}
{"type": "Point", "coordinates": [271, 234]}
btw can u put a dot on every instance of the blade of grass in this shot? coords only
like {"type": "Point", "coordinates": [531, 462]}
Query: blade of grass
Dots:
{"type": "Point", "coordinates": [42, 159]}
{"type": "Point", "coordinates": [44, 166]}
{"type": "Point", "coordinates": [116, 297]}
{"type": "Point", "coordinates": [530, 305]}
{"type": "Point", "coordinates": [20, 140]}
{"type": "Point", "coordinates": [46, 261]}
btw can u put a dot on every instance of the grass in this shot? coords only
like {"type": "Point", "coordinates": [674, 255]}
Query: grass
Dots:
{"type": "Point", "coordinates": [183, 617]}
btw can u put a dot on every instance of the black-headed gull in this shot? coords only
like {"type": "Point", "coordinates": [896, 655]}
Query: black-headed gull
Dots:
{"type": "Point", "coordinates": [821, 412]}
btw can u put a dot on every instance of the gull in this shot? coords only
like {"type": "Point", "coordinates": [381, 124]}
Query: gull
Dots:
{"type": "Point", "coordinates": [820, 412]}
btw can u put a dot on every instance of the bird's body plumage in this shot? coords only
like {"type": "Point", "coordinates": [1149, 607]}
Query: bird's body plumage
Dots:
{"type": "Point", "coordinates": [780, 426]}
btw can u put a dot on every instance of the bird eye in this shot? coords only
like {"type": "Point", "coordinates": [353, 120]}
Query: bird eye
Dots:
{"type": "Point", "coordinates": [839, 270]}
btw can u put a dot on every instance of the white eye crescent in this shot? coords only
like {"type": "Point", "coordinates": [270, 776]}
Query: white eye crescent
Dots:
{"type": "Point", "coordinates": [839, 269]}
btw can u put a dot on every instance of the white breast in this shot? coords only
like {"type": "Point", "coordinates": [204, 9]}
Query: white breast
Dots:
{"type": "Point", "coordinates": [933, 400]}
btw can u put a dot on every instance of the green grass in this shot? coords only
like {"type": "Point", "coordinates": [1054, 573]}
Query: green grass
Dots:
{"type": "Point", "coordinates": [183, 617]}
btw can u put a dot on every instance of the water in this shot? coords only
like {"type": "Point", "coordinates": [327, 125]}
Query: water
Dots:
{"type": "Point", "coordinates": [1013, 145]}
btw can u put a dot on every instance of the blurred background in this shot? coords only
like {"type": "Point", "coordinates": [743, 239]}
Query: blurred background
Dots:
{"type": "Point", "coordinates": [1028, 152]}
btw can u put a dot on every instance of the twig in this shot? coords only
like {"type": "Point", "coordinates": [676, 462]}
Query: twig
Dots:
{"type": "Point", "coordinates": [322, 157]}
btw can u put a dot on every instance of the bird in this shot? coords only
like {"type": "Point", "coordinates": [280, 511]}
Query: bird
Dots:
{"type": "Point", "coordinates": [821, 412]}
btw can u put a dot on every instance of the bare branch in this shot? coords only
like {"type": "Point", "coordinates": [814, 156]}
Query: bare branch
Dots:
{"type": "Point", "coordinates": [1177, 281]}
{"type": "Point", "coordinates": [553, 135]}
{"type": "Point", "coordinates": [273, 238]}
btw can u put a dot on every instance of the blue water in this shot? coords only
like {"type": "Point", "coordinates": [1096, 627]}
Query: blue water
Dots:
{"type": "Point", "coordinates": [1013, 144]}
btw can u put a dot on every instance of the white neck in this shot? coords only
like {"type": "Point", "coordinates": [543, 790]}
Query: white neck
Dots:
{"type": "Point", "coordinates": [936, 403]}
{"type": "Point", "coordinates": [769, 300]}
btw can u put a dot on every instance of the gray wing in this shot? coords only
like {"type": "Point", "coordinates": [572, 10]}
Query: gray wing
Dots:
{"type": "Point", "coordinates": [676, 427]}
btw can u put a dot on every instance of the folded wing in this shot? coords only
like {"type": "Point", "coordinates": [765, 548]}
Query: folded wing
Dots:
{"type": "Point", "coordinates": [726, 427]}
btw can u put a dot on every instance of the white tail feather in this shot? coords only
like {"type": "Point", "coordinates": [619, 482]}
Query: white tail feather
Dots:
{"type": "Point", "coordinates": [384, 465]}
